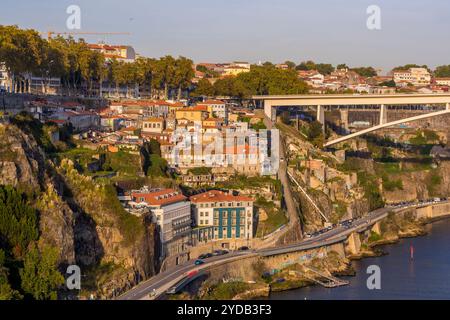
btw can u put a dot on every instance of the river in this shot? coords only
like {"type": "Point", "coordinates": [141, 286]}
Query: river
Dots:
{"type": "Point", "coordinates": [425, 277]}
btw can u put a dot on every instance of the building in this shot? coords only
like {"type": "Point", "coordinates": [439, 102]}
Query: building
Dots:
{"type": "Point", "coordinates": [153, 125]}
{"type": "Point", "coordinates": [197, 113]}
{"type": "Point", "coordinates": [119, 52]}
{"type": "Point", "coordinates": [171, 212]}
{"type": "Point", "coordinates": [414, 76]}
{"type": "Point", "coordinates": [229, 216]}
{"type": "Point", "coordinates": [5, 82]}
{"type": "Point", "coordinates": [80, 120]}
{"type": "Point", "coordinates": [216, 108]}
{"type": "Point", "coordinates": [110, 123]}
{"type": "Point", "coordinates": [442, 81]}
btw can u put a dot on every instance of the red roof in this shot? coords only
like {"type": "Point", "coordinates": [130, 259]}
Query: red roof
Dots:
{"type": "Point", "coordinates": [217, 196]}
{"type": "Point", "coordinates": [212, 102]}
{"type": "Point", "coordinates": [160, 197]}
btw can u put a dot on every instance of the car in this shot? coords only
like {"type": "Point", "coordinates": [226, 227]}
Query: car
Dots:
{"type": "Point", "coordinates": [208, 255]}
{"type": "Point", "coordinates": [172, 290]}
{"type": "Point", "coordinates": [243, 248]}
{"type": "Point", "coordinates": [202, 256]}
{"type": "Point", "coordinates": [199, 262]}
{"type": "Point", "coordinates": [220, 252]}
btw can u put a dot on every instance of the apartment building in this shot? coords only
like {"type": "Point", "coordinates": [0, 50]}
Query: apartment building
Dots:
{"type": "Point", "coordinates": [216, 108]}
{"type": "Point", "coordinates": [229, 216]}
{"type": "Point", "coordinates": [171, 211]}
{"type": "Point", "coordinates": [443, 81]}
{"type": "Point", "coordinates": [153, 125]}
{"type": "Point", "coordinates": [118, 52]}
{"type": "Point", "coordinates": [414, 76]}
{"type": "Point", "coordinates": [197, 113]}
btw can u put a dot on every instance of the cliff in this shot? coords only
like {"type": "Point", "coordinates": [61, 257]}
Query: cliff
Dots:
{"type": "Point", "coordinates": [81, 218]}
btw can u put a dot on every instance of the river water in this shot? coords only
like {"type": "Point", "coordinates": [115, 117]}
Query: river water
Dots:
{"type": "Point", "coordinates": [426, 276]}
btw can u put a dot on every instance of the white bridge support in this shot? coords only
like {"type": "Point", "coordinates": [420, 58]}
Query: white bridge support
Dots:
{"type": "Point", "coordinates": [321, 116]}
{"type": "Point", "coordinates": [383, 114]}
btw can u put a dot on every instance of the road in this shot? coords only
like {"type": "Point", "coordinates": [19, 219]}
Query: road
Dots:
{"type": "Point", "coordinates": [163, 281]}
{"type": "Point", "coordinates": [291, 207]}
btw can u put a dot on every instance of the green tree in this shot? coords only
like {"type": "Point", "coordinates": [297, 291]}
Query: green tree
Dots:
{"type": "Point", "coordinates": [410, 65]}
{"type": "Point", "coordinates": [18, 221]}
{"type": "Point", "coordinates": [158, 166]}
{"type": "Point", "coordinates": [390, 83]}
{"type": "Point", "coordinates": [6, 292]}
{"type": "Point", "coordinates": [324, 68]}
{"type": "Point", "coordinates": [203, 88]}
{"type": "Point", "coordinates": [365, 71]}
{"type": "Point", "coordinates": [442, 71]}
{"type": "Point", "coordinates": [306, 65]}
{"type": "Point", "coordinates": [40, 277]}
{"type": "Point", "coordinates": [290, 64]}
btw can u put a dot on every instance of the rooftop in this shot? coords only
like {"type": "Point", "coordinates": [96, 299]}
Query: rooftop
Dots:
{"type": "Point", "coordinates": [217, 196]}
{"type": "Point", "coordinates": [159, 197]}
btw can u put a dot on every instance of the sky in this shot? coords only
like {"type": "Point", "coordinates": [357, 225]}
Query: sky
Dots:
{"type": "Point", "coordinates": [328, 31]}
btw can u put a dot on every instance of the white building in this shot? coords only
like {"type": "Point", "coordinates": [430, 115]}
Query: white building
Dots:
{"type": "Point", "coordinates": [443, 81]}
{"type": "Point", "coordinates": [172, 212]}
{"type": "Point", "coordinates": [217, 108]}
{"type": "Point", "coordinates": [414, 76]}
{"type": "Point", "coordinates": [5, 82]}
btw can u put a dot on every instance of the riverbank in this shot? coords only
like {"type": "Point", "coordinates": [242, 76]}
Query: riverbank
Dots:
{"type": "Point", "coordinates": [424, 277]}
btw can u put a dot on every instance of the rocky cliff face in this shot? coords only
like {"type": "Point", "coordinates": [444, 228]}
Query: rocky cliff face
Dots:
{"type": "Point", "coordinates": [79, 216]}
{"type": "Point", "coordinates": [21, 160]}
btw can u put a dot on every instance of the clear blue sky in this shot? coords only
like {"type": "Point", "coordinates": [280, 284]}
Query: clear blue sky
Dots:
{"type": "Point", "coordinates": [413, 31]}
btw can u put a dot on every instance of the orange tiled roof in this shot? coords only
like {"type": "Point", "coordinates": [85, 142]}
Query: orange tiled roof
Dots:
{"type": "Point", "coordinates": [160, 197]}
{"type": "Point", "coordinates": [217, 196]}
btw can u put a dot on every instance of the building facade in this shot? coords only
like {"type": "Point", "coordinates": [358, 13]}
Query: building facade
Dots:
{"type": "Point", "coordinates": [172, 213]}
{"type": "Point", "coordinates": [228, 216]}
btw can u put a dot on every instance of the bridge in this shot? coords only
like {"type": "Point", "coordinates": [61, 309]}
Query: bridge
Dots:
{"type": "Point", "coordinates": [380, 102]}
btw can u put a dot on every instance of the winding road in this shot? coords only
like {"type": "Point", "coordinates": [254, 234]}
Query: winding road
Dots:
{"type": "Point", "coordinates": [165, 280]}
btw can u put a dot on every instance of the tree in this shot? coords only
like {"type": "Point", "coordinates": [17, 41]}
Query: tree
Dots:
{"type": "Point", "coordinates": [324, 68]}
{"type": "Point", "coordinates": [166, 73]}
{"type": "Point", "coordinates": [390, 83]}
{"type": "Point", "coordinates": [315, 133]}
{"type": "Point", "coordinates": [342, 66]}
{"type": "Point", "coordinates": [18, 221]}
{"type": "Point", "coordinates": [40, 277]}
{"type": "Point", "coordinates": [261, 80]}
{"type": "Point", "coordinates": [290, 64]}
{"type": "Point", "coordinates": [306, 65]}
{"type": "Point", "coordinates": [409, 66]}
{"type": "Point", "coordinates": [365, 71]}
{"type": "Point", "coordinates": [204, 88]}
{"type": "Point", "coordinates": [158, 166]}
{"type": "Point", "coordinates": [183, 75]}
{"type": "Point", "coordinates": [442, 71]}
{"type": "Point", "coordinates": [6, 292]}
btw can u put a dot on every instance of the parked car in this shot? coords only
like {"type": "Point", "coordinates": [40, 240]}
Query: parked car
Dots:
{"type": "Point", "coordinates": [199, 262]}
{"type": "Point", "coordinates": [243, 248]}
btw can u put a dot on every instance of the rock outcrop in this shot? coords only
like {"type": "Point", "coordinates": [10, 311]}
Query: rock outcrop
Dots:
{"type": "Point", "coordinates": [77, 218]}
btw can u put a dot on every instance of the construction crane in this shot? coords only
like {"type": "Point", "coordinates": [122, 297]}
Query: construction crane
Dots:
{"type": "Point", "coordinates": [51, 33]}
